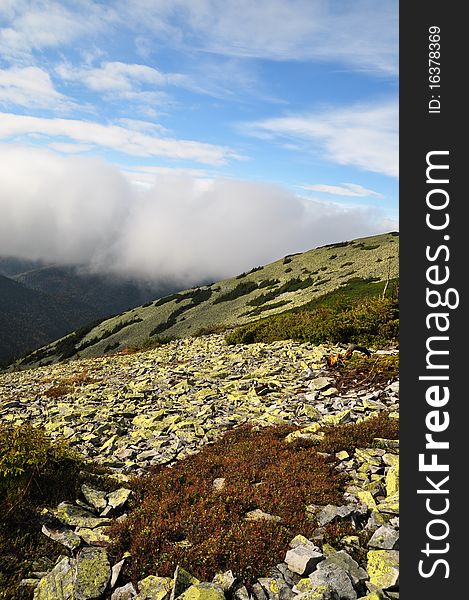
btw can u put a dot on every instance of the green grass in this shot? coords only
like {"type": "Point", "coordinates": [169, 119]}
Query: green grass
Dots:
{"type": "Point", "coordinates": [355, 313]}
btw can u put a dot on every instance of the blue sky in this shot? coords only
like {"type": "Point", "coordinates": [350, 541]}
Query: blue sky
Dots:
{"type": "Point", "coordinates": [186, 103]}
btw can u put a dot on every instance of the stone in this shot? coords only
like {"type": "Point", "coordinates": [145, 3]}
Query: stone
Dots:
{"type": "Point", "coordinates": [301, 540]}
{"type": "Point", "coordinates": [318, 592]}
{"type": "Point", "coordinates": [96, 498]}
{"type": "Point", "coordinates": [336, 578]}
{"type": "Point", "coordinates": [331, 513]}
{"type": "Point", "coordinates": [58, 583]}
{"type": "Point", "coordinates": [126, 592]}
{"type": "Point", "coordinates": [26, 588]}
{"type": "Point", "coordinates": [384, 538]}
{"type": "Point", "coordinates": [303, 559]}
{"type": "Point", "coordinates": [260, 515]}
{"type": "Point", "coordinates": [242, 593]}
{"type": "Point", "coordinates": [154, 588]}
{"type": "Point", "coordinates": [203, 591]}
{"type": "Point", "coordinates": [75, 516]}
{"type": "Point", "coordinates": [304, 585]}
{"type": "Point", "coordinates": [392, 481]}
{"type": "Point", "coordinates": [258, 592]}
{"type": "Point", "coordinates": [117, 568]}
{"type": "Point", "coordinates": [320, 383]}
{"type": "Point", "coordinates": [383, 568]}
{"type": "Point", "coordinates": [118, 498]}
{"type": "Point", "coordinates": [62, 535]}
{"type": "Point", "coordinates": [93, 537]}
{"type": "Point", "coordinates": [182, 580]}
{"type": "Point", "coordinates": [93, 573]}
{"type": "Point", "coordinates": [225, 581]}
{"type": "Point", "coordinates": [342, 559]}
{"type": "Point", "coordinates": [219, 484]}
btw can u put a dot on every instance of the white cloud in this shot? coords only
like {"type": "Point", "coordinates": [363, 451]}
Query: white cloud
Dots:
{"type": "Point", "coordinates": [361, 34]}
{"type": "Point", "coordinates": [365, 136]}
{"type": "Point", "coordinates": [39, 24]}
{"type": "Point", "coordinates": [346, 189]}
{"type": "Point", "coordinates": [115, 137]}
{"type": "Point", "coordinates": [118, 76]}
{"type": "Point", "coordinates": [31, 87]}
{"type": "Point", "coordinates": [75, 210]}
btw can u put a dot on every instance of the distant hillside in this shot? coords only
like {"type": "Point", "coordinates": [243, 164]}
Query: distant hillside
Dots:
{"type": "Point", "coordinates": [102, 294]}
{"type": "Point", "coordinates": [10, 266]}
{"type": "Point", "coordinates": [29, 318]}
{"type": "Point", "coordinates": [295, 280]}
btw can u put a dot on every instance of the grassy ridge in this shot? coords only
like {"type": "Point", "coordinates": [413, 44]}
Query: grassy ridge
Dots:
{"type": "Point", "coordinates": [356, 313]}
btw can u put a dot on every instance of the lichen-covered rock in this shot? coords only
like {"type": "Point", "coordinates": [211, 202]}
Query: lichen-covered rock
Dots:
{"type": "Point", "coordinates": [225, 581]}
{"type": "Point", "coordinates": [336, 578]}
{"type": "Point", "coordinates": [75, 516]}
{"type": "Point", "coordinates": [182, 580]}
{"type": "Point", "coordinates": [154, 588]}
{"type": "Point", "coordinates": [118, 498]}
{"type": "Point", "coordinates": [97, 498]}
{"type": "Point", "coordinates": [126, 592]}
{"type": "Point", "coordinates": [203, 591]}
{"type": "Point", "coordinates": [58, 584]}
{"type": "Point", "coordinates": [383, 568]}
{"type": "Point", "coordinates": [384, 538]}
{"type": "Point", "coordinates": [93, 573]}
{"type": "Point", "coordinates": [62, 535]}
{"type": "Point", "coordinates": [342, 559]}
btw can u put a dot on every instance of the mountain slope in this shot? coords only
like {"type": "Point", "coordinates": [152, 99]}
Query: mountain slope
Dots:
{"type": "Point", "coordinates": [103, 294]}
{"type": "Point", "coordinates": [287, 283]}
{"type": "Point", "coordinates": [29, 318]}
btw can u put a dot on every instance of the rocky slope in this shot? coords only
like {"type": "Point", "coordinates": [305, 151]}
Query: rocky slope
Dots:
{"type": "Point", "coordinates": [131, 411]}
{"type": "Point", "coordinates": [279, 286]}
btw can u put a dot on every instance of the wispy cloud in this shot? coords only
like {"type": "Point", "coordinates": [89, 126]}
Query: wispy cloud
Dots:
{"type": "Point", "coordinates": [346, 189]}
{"type": "Point", "coordinates": [275, 29]}
{"type": "Point", "coordinates": [30, 87]}
{"type": "Point", "coordinates": [118, 76]}
{"type": "Point", "coordinates": [115, 137]}
{"type": "Point", "coordinates": [365, 136]}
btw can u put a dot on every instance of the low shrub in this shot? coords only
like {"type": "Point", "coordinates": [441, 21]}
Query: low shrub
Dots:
{"type": "Point", "coordinates": [33, 471]}
{"type": "Point", "coordinates": [179, 504]}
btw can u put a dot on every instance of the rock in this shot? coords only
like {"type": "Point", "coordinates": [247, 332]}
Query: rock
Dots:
{"type": "Point", "coordinates": [116, 569]}
{"type": "Point", "coordinates": [275, 588]}
{"type": "Point", "coordinates": [336, 578]}
{"type": "Point", "coordinates": [58, 583]}
{"type": "Point", "coordinates": [242, 593]}
{"type": "Point", "coordinates": [75, 516]}
{"type": "Point", "coordinates": [384, 538]}
{"type": "Point", "coordinates": [320, 383]}
{"type": "Point", "coordinates": [383, 568]}
{"type": "Point", "coordinates": [118, 498]}
{"type": "Point", "coordinates": [154, 588]}
{"type": "Point", "coordinates": [283, 571]}
{"type": "Point", "coordinates": [260, 515]}
{"type": "Point", "coordinates": [304, 585]}
{"type": "Point", "coordinates": [182, 580]}
{"type": "Point", "coordinates": [331, 513]}
{"type": "Point", "coordinates": [303, 559]}
{"type": "Point", "coordinates": [219, 484]}
{"type": "Point", "coordinates": [93, 537]}
{"type": "Point", "coordinates": [62, 535]}
{"type": "Point", "coordinates": [300, 540]}
{"type": "Point", "coordinates": [93, 573]}
{"type": "Point", "coordinates": [96, 498]}
{"type": "Point", "coordinates": [392, 481]}
{"type": "Point", "coordinates": [357, 575]}
{"type": "Point", "coordinates": [225, 581]}
{"type": "Point", "coordinates": [203, 591]}
{"type": "Point", "coordinates": [258, 592]}
{"type": "Point", "coordinates": [318, 592]}
{"type": "Point", "coordinates": [126, 592]}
